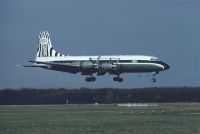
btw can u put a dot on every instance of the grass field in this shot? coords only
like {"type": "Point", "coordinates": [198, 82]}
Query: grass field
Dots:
{"type": "Point", "coordinates": [180, 118]}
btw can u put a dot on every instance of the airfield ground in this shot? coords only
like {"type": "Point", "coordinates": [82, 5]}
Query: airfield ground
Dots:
{"type": "Point", "coordinates": [171, 118]}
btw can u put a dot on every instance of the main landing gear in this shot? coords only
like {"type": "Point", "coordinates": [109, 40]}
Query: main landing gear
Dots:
{"type": "Point", "coordinates": [118, 79]}
{"type": "Point", "coordinates": [90, 79]}
{"type": "Point", "coordinates": [154, 79]}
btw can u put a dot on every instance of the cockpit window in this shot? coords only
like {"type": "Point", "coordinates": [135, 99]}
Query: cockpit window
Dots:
{"type": "Point", "coordinates": [154, 59]}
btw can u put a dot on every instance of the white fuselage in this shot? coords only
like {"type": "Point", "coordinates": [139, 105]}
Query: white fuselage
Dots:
{"type": "Point", "coordinates": [125, 63]}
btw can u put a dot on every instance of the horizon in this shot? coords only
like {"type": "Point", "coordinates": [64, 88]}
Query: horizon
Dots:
{"type": "Point", "coordinates": [65, 88]}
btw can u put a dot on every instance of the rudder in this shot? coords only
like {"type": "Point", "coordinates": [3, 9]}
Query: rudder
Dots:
{"type": "Point", "coordinates": [45, 48]}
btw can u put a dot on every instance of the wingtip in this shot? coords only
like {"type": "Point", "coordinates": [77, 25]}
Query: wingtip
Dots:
{"type": "Point", "coordinates": [18, 65]}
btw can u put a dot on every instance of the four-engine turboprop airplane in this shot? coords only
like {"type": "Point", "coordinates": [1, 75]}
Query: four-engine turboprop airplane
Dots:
{"type": "Point", "coordinates": [48, 58]}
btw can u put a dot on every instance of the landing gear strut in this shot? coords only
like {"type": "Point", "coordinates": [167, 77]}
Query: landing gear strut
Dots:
{"type": "Point", "coordinates": [90, 79]}
{"type": "Point", "coordinates": [118, 79]}
{"type": "Point", "coordinates": [154, 79]}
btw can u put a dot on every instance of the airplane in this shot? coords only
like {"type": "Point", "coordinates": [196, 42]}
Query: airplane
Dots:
{"type": "Point", "coordinates": [48, 58]}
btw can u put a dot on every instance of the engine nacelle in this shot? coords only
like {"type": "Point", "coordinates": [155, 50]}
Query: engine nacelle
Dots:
{"type": "Point", "coordinates": [108, 67]}
{"type": "Point", "coordinates": [86, 65]}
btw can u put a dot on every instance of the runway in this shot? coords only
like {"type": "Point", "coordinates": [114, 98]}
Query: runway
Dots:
{"type": "Point", "coordinates": [167, 118]}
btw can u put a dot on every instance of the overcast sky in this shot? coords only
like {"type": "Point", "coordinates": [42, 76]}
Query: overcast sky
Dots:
{"type": "Point", "coordinates": [167, 29]}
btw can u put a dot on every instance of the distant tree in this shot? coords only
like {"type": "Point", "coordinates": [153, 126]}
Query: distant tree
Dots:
{"type": "Point", "coordinates": [27, 96]}
{"type": "Point", "coordinates": [109, 97]}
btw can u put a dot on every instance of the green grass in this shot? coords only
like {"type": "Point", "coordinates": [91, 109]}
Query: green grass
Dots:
{"type": "Point", "coordinates": [182, 118]}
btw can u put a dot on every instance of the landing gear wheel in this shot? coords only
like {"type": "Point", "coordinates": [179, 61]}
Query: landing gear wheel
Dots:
{"type": "Point", "coordinates": [115, 78]}
{"type": "Point", "coordinates": [153, 79]}
{"type": "Point", "coordinates": [87, 79]}
{"type": "Point", "coordinates": [93, 78]}
{"type": "Point", "coordinates": [118, 79]}
{"type": "Point", "coordinates": [90, 79]}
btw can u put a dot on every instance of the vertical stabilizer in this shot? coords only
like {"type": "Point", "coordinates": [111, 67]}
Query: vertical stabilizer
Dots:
{"type": "Point", "coordinates": [45, 48]}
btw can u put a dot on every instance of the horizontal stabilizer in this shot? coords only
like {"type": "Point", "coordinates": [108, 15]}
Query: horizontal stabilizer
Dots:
{"type": "Point", "coordinates": [34, 65]}
{"type": "Point", "coordinates": [30, 65]}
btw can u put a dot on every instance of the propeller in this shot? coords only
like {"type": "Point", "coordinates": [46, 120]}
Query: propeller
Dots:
{"type": "Point", "coordinates": [114, 63]}
{"type": "Point", "coordinates": [96, 62]}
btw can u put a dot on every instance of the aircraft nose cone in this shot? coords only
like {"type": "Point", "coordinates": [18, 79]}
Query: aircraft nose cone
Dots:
{"type": "Point", "coordinates": [166, 66]}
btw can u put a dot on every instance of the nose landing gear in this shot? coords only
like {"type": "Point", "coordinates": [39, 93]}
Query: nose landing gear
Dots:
{"type": "Point", "coordinates": [154, 79]}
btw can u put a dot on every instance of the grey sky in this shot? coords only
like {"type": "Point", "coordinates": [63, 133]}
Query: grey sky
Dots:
{"type": "Point", "coordinates": [168, 29]}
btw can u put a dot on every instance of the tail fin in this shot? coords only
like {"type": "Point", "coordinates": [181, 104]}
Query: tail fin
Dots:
{"type": "Point", "coordinates": [45, 48]}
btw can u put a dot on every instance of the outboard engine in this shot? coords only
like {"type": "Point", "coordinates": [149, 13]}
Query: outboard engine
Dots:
{"type": "Point", "coordinates": [87, 65]}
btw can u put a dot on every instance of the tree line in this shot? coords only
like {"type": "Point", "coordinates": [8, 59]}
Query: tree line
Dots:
{"type": "Point", "coordinates": [29, 96]}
